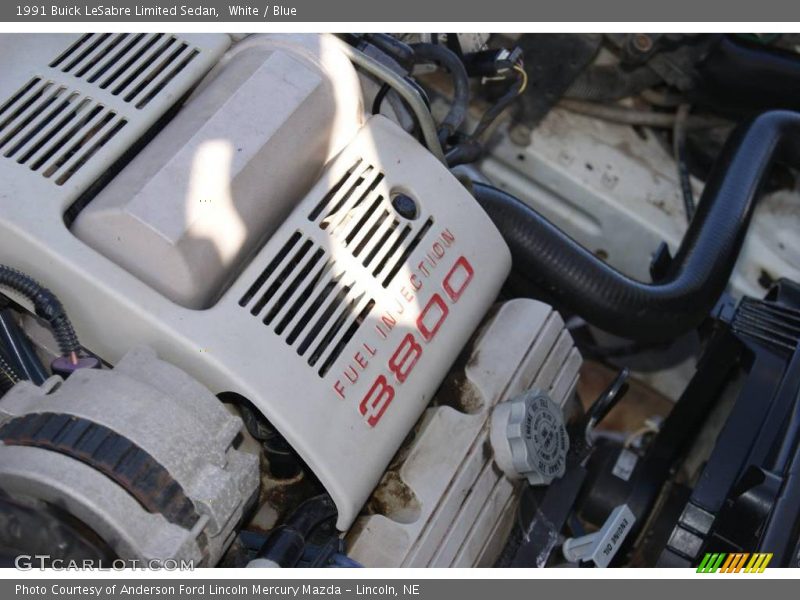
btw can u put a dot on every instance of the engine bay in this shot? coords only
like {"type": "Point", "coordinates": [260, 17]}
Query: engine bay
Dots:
{"type": "Point", "coordinates": [409, 300]}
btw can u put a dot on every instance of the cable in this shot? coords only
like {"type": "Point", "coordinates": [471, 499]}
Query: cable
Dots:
{"type": "Point", "coordinates": [398, 105]}
{"type": "Point", "coordinates": [409, 93]}
{"type": "Point", "coordinates": [47, 306]}
{"type": "Point", "coordinates": [516, 88]}
{"type": "Point", "coordinates": [633, 116]}
{"type": "Point", "coordinates": [679, 151]}
{"type": "Point", "coordinates": [450, 61]}
{"type": "Point", "coordinates": [524, 74]}
{"type": "Point", "coordinates": [471, 149]}
{"type": "Point", "coordinates": [662, 98]}
{"type": "Point", "coordinates": [376, 103]}
{"type": "Point", "coordinates": [21, 352]}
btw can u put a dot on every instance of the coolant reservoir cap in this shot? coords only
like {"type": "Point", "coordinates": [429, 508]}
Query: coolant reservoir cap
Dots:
{"type": "Point", "coordinates": [529, 438]}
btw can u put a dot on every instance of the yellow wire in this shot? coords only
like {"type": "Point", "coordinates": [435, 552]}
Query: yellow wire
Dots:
{"type": "Point", "coordinates": [524, 74]}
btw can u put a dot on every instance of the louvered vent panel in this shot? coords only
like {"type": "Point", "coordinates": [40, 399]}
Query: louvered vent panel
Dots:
{"type": "Point", "coordinates": [360, 217]}
{"type": "Point", "coordinates": [768, 322]}
{"type": "Point", "coordinates": [53, 130]}
{"type": "Point", "coordinates": [306, 300]}
{"type": "Point", "coordinates": [134, 66]}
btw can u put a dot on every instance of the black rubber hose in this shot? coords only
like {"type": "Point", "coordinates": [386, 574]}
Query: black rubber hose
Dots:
{"type": "Point", "coordinates": [285, 544]}
{"type": "Point", "coordinates": [450, 61]}
{"type": "Point", "coordinates": [574, 278]}
{"type": "Point", "coordinates": [747, 78]}
{"type": "Point", "coordinates": [393, 47]}
{"type": "Point", "coordinates": [311, 513]}
{"type": "Point", "coordinates": [46, 305]}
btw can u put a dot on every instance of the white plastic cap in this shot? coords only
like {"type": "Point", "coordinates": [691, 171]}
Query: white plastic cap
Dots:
{"type": "Point", "coordinates": [529, 438]}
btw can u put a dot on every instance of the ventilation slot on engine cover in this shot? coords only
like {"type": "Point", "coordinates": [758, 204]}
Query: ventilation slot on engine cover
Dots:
{"type": "Point", "coordinates": [359, 216]}
{"type": "Point", "coordinates": [310, 303]}
{"type": "Point", "coordinates": [54, 131]}
{"type": "Point", "coordinates": [134, 66]}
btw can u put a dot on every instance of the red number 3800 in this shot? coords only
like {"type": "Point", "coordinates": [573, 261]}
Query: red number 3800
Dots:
{"type": "Point", "coordinates": [409, 350]}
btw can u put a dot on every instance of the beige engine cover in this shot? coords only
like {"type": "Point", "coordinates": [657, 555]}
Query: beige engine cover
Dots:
{"type": "Point", "coordinates": [217, 181]}
{"type": "Point", "coordinates": [339, 329]}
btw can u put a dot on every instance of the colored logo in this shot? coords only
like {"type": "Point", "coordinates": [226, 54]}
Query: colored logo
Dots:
{"type": "Point", "coordinates": [737, 562]}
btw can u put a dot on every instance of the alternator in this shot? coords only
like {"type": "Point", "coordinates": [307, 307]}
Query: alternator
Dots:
{"type": "Point", "coordinates": [142, 457]}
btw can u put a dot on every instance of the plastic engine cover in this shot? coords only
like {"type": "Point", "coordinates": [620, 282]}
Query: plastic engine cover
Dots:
{"type": "Point", "coordinates": [228, 169]}
{"type": "Point", "coordinates": [339, 329]}
{"type": "Point", "coordinates": [357, 307]}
